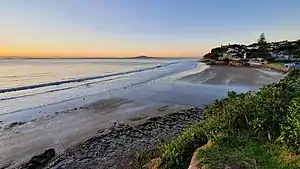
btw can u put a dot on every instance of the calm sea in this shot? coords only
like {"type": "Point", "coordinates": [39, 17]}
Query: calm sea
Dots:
{"type": "Point", "coordinates": [17, 73]}
{"type": "Point", "coordinates": [32, 83]}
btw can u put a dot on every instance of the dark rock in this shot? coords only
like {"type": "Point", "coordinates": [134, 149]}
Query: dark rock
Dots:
{"type": "Point", "coordinates": [14, 124]}
{"type": "Point", "coordinates": [153, 119]}
{"type": "Point", "coordinates": [100, 131]}
{"type": "Point", "coordinates": [6, 164]}
{"type": "Point", "coordinates": [40, 160]}
{"type": "Point", "coordinates": [21, 123]}
{"type": "Point", "coordinates": [120, 141]}
{"type": "Point", "coordinates": [137, 118]}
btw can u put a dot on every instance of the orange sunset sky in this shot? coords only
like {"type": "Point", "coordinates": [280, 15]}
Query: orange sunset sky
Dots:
{"type": "Point", "coordinates": [116, 28]}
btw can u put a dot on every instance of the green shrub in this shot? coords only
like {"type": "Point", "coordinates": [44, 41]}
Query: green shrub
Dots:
{"type": "Point", "coordinates": [141, 158]}
{"type": "Point", "coordinates": [259, 114]}
{"type": "Point", "coordinates": [178, 152]}
{"type": "Point", "coordinates": [291, 129]}
{"type": "Point", "coordinates": [247, 153]}
{"type": "Point", "coordinates": [271, 114]}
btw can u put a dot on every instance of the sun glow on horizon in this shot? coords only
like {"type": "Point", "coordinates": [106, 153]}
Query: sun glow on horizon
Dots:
{"type": "Point", "coordinates": [107, 28]}
{"type": "Point", "coordinates": [27, 53]}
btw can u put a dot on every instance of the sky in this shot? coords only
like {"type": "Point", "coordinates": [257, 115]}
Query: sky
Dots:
{"type": "Point", "coordinates": [126, 28]}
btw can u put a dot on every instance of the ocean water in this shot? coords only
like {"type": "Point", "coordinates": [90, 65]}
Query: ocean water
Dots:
{"type": "Point", "coordinates": [17, 73]}
{"type": "Point", "coordinates": [31, 83]}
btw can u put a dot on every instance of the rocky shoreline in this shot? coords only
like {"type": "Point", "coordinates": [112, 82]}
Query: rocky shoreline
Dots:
{"type": "Point", "coordinates": [114, 147]}
{"type": "Point", "coordinates": [244, 64]}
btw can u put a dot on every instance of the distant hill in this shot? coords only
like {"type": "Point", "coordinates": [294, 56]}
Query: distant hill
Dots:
{"type": "Point", "coordinates": [142, 57]}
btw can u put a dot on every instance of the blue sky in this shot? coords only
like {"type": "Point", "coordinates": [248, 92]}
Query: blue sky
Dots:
{"type": "Point", "coordinates": [135, 27]}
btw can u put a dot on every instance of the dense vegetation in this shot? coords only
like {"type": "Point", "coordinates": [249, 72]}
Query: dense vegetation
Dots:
{"type": "Point", "coordinates": [247, 153]}
{"type": "Point", "coordinates": [271, 115]}
{"type": "Point", "coordinates": [263, 51]}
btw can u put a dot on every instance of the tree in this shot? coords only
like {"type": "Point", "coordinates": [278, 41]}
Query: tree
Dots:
{"type": "Point", "coordinates": [263, 45]}
{"type": "Point", "coordinates": [262, 39]}
{"type": "Point", "coordinates": [297, 53]}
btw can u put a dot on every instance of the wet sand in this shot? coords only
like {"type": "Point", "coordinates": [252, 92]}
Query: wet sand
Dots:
{"type": "Point", "coordinates": [72, 127]}
{"type": "Point", "coordinates": [234, 76]}
{"type": "Point", "coordinates": [131, 106]}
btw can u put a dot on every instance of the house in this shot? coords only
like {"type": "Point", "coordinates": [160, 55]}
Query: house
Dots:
{"type": "Point", "coordinates": [252, 47]}
{"type": "Point", "coordinates": [282, 56]}
{"type": "Point", "coordinates": [245, 55]}
{"type": "Point", "coordinates": [295, 65]}
{"type": "Point", "coordinates": [231, 56]}
{"type": "Point", "coordinates": [230, 50]}
{"type": "Point", "coordinates": [226, 55]}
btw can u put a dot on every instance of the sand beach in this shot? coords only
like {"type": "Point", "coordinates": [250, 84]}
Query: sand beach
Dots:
{"type": "Point", "coordinates": [130, 106]}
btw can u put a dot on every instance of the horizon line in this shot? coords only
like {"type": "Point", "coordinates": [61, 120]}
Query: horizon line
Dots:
{"type": "Point", "coordinates": [66, 57]}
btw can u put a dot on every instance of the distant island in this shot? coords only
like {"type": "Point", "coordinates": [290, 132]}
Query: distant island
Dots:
{"type": "Point", "coordinates": [142, 57]}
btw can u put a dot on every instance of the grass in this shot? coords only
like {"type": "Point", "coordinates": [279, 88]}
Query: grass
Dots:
{"type": "Point", "coordinates": [246, 153]}
{"type": "Point", "coordinates": [276, 64]}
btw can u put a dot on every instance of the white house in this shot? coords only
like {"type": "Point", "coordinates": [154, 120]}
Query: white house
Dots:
{"type": "Point", "coordinates": [230, 50]}
{"type": "Point", "coordinates": [245, 55]}
{"type": "Point", "coordinates": [252, 47]}
{"type": "Point", "coordinates": [281, 56]}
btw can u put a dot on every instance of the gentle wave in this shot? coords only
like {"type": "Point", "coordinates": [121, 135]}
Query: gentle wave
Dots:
{"type": "Point", "coordinates": [79, 79]}
{"type": "Point", "coordinates": [54, 90]}
{"type": "Point", "coordinates": [26, 104]}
